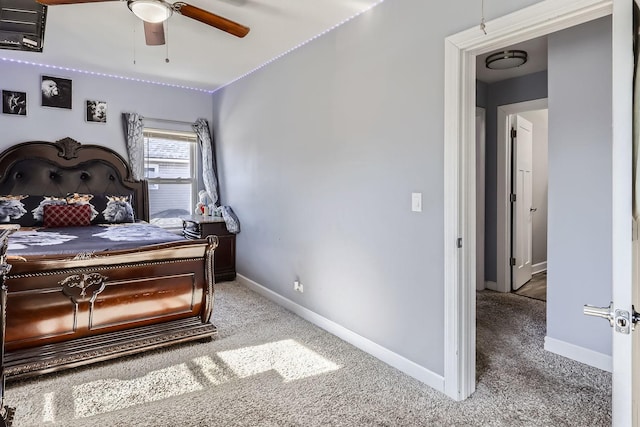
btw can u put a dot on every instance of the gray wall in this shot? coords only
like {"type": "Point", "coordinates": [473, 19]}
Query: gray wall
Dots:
{"type": "Point", "coordinates": [51, 124]}
{"type": "Point", "coordinates": [481, 94]}
{"type": "Point", "coordinates": [511, 91]}
{"type": "Point", "coordinates": [579, 245]}
{"type": "Point", "coordinates": [540, 121]}
{"type": "Point", "coordinates": [320, 150]}
{"type": "Point", "coordinates": [319, 153]}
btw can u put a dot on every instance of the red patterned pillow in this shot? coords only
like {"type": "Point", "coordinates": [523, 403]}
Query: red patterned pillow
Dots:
{"type": "Point", "coordinates": [67, 215]}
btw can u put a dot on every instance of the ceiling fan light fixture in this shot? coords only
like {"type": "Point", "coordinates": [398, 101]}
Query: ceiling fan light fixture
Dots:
{"type": "Point", "coordinates": [153, 11]}
{"type": "Point", "coordinates": [506, 59]}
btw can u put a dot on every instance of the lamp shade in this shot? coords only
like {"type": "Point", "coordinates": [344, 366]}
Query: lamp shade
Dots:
{"type": "Point", "coordinates": [152, 11]}
{"type": "Point", "coordinates": [506, 59]}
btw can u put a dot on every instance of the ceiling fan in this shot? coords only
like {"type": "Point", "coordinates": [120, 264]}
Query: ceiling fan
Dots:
{"type": "Point", "coordinates": [155, 12]}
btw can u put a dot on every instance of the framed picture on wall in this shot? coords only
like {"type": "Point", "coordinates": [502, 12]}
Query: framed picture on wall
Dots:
{"type": "Point", "coordinates": [56, 92]}
{"type": "Point", "coordinates": [14, 102]}
{"type": "Point", "coordinates": [96, 111]}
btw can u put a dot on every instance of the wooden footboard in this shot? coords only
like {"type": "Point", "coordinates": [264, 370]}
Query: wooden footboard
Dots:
{"type": "Point", "coordinates": [63, 313]}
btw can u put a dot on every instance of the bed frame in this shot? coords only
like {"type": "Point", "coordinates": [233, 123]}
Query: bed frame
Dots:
{"type": "Point", "coordinates": [65, 311]}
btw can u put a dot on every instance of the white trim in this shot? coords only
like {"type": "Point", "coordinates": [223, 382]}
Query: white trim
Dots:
{"type": "Point", "coordinates": [491, 285]}
{"type": "Point", "coordinates": [456, 310]}
{"type": "Point", "coordinates": [459, 165]}
{"type": "Point", "coordinates": [503, 165]}
{"type": "Point", "coordinates": [387, 356]}
{"type": "Point", "coordinates": [579, 354]}
{"type": "Point", "coordinates": [534, 21]}
{"type": "Point", "coordinates": [539, 267]}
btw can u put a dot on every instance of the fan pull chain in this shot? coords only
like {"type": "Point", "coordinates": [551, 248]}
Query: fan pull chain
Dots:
{"type": "Point", "coordinates": [133, 39]}
{"type": "Point", "coordinates": [166, 45]}
{"type": "Point", "coordinates": [483, 26]}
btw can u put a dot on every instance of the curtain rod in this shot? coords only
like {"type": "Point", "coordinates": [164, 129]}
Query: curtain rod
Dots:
{"type": "Point", "coordinates": [167, 121]}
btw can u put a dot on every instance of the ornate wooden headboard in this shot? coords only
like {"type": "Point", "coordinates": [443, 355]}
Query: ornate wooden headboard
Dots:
{"type": "Point", "coordinates": [66, 166]}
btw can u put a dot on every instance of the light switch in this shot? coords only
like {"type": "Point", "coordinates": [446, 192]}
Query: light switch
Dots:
{"type": "Point", "coordinates": [416, 202]}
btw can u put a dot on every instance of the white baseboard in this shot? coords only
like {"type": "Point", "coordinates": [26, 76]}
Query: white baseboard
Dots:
{"type": "Point", "coordinates": [580, 354]}
{"type": "Point", "coordinates": [537, 268]}
{"type": "Point", "coordinates": [399, 362]}
{"type": "Point", "coordinates": [491, 285]}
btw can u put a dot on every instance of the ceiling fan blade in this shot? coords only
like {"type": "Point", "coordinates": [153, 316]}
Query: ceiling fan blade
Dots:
{"type": "Point", "coordinates": [153, 33]}
{"type": "Point", "coordinates": [209, 18]}
{"type": "Point", "coordinates": [57, 2]}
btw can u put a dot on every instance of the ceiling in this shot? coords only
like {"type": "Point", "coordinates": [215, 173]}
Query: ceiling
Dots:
{"type": "Point", "coordinates": [107, 38]}
{"type": "Point", "coordinates": [536, 61]}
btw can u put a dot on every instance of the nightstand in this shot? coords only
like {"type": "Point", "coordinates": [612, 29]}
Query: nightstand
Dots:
{"type": "Point", "coordinates": [224, 257]}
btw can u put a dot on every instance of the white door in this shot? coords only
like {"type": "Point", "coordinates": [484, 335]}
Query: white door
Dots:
{"type": "Point", "coordinates": [635, 206]}
{"type": "Point", "coordinates": [625, 364]}
{"type": "Point", "coordinates": [636, 340]}
{"type": "Point", "coordinates": [522, 211]}
{"type": "Point", "coordinates": [625, 257]}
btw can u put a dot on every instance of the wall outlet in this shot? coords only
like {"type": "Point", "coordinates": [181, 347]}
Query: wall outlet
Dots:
{"type": "Point", "coordinates": [297, 286]}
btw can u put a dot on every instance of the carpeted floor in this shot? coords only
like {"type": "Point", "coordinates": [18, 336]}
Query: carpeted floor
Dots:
{"type": "Point", "coordinates": [271, 368]}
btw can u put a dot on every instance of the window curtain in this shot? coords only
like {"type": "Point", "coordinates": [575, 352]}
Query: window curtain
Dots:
{"type": "Point", "coordinates": [201, 128]}
{"type": "Point", "coordinates": [132, 123]}
{"type": "Point", "coordinates": [209, 176]}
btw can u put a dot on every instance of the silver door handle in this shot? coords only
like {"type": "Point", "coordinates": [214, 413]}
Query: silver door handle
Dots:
{"type": "Point", "coordinates": [604, 312]}
{"type": "Point", "coordinates": [621, 320]}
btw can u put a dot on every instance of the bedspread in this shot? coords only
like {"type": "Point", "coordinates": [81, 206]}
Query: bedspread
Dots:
{"type": "Point", "coordinates": [88, 239]}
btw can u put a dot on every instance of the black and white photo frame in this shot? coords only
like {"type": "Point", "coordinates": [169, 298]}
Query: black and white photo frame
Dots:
{"type": "Point", "coordinates": [14, 102]}
{"type": "Point", "coordinates": [96, 111]}
{"type": "Point", "coordinates": [56, 92]}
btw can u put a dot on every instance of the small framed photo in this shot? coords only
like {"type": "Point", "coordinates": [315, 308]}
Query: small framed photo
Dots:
{"type": "Point", "coordinates": [96, 111]}
{"type": "Point", "coordinates": [56, 92]}
{"type": "Point", "coordinates": [14, 102]}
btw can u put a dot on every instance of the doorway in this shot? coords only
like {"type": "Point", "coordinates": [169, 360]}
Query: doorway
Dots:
{"type": "Point", "coordinates": [497, 265]}
{"type": "Point", "coordinates": [524, 201]}
{"type": "Point", "coordinates": [541, 18]}
{"type": "Point", "coordinates": [460, 51]}
{"type": "Point", "coordinates": [529, 212]}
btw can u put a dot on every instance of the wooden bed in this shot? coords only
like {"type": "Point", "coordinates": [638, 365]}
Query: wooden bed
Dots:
{"type": "Point", "coordinates": [69, 310]}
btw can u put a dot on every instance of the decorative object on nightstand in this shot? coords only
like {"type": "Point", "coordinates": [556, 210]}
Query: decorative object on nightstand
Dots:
{"type": "Point", "coordinates": [205, 205]}
{"type": "Point", "coordinates": [224, 257]}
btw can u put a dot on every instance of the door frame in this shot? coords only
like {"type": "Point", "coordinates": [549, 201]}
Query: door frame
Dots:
{"type": "Point", "coordinates": [459, 165]}
{"type": "Point", "coordinates": [503, 151]}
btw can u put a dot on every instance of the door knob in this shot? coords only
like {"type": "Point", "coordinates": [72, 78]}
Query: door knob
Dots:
{"type": "Point", "coordinates": [604, 312]}
{"type": "Point", "coordinates": [621, 320]}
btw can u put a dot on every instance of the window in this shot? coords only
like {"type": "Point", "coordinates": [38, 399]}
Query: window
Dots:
{"type": "Point", "coordinates": [170, 165]}
{"type": "Point", "coordinates": [151, 171]}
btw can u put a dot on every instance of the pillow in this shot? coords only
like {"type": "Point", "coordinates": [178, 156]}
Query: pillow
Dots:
{"type": "Point", "coordinates": [113, 209]}
{"type": "Point", "coordinates": [22, 209]}
{"type": "Point", "coordinates": [43, 201]}
{"type": "Point", "coordinates": [82, 199]}
{"type": "Point", "coordinates": [67, 215]}
{"type": "Point", "coordinates": [28, 210]}
{"type": "Point", "coordinates": [12, 208]}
